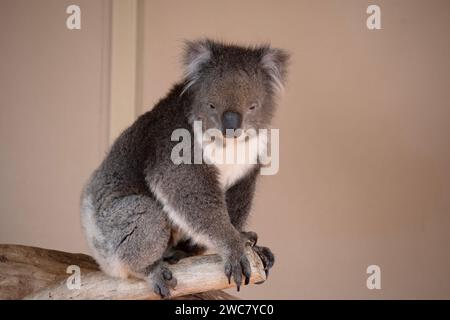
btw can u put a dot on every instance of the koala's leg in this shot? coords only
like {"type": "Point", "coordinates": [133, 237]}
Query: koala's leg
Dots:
{"type": "Point", "coordinates": [138, 230]}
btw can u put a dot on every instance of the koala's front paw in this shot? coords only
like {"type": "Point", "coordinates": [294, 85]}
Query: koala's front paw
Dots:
{"type": "Point", "coordinates": [267, 257]}
{"type": "Point", "coordinates": [162, 280]}
{"type": "Point", "coordinates": [236, 265]}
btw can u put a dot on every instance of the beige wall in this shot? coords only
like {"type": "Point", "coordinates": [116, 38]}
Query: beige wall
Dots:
{"type": "Point", "coordinates": [365, 125]}
{"type": "Point", "coordinates": [365, 138]}
{"type": "Point", "coordinates": [53, 117]}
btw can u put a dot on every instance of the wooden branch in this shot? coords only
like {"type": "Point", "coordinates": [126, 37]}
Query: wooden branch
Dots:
{"type": "Point", "coordinates": [35, 273]}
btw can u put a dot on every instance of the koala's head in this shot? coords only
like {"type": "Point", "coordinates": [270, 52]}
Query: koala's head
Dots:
{"type": "Point", "coordinates": [233, 87]}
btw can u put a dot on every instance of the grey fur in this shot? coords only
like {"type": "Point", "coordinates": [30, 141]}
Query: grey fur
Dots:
{"type": "Point", "coordinates": [138, 200]}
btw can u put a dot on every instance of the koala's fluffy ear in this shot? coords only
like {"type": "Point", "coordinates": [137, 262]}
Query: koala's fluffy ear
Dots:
{"type": "Point", "coordinates": [274, 62]}
{"type": "Point", "coordinates": [196, 54]}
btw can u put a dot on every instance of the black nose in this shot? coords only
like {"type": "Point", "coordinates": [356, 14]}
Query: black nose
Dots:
{"type": "Point", "coordinates": [231, 120]}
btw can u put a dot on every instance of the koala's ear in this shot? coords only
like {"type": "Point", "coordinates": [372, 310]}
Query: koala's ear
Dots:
{"type": "Point", "coordinates": [196, 54]}
{"type": "Point", "coordinates": [275, 62]}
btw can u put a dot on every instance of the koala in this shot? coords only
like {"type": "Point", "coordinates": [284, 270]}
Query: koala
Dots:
{"type": "Point", "coordinates": [141, 211]}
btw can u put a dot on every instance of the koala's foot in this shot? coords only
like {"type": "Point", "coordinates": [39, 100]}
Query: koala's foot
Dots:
{"type": "Point", "coordinates": [250, 237]}
{"type": "Point", "coordinates": [161, 279]}
{"type": "Point", "coordinates": [267, 257]}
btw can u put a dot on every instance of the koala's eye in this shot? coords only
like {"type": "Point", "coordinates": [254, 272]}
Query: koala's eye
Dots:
{"type": "Point", "coordinates": [253, 106]}
{"type": "Point", "coordinates": [211, 106]}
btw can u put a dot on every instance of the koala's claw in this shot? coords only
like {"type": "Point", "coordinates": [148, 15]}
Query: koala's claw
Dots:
{"type": "Point", "coordinates": [251, 237]}
{"type": "Point", "coordinates": [162, 281]}
{"type": "Point", "coordinates": [267, 258]}
{"type": "Point", "coordinates": [235, 268]}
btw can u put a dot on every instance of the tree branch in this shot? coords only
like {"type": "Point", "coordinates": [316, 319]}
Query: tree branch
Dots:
{"type": "Point", "coordinates": [35, 273]}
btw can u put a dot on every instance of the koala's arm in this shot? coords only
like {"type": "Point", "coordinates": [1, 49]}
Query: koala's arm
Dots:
{"type": "Point", "coordinates": [239, 199]}
{"type": "Point", "coordinates": [194, 201]}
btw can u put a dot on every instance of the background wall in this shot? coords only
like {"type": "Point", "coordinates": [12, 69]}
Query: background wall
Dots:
{"type": "Point", "coordinates": [54, 86]}
{"type": "Point", "coordinates": [364, 124]}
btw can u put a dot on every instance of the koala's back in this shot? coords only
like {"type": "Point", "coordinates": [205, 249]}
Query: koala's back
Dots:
{"type": "Point", "coordinates": [121, 174]}
{"type": "Point", "coordinates": [122, 171]}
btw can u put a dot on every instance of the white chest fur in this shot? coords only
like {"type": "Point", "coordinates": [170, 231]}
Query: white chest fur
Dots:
{"type": "Point", "coordinates": [229, 174]}
{"type": "Point", "coordinates": [233, 158]}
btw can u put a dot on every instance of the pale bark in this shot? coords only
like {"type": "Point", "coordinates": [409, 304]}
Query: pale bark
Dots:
{"type": "Point", "coordinates": [36, 273]}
